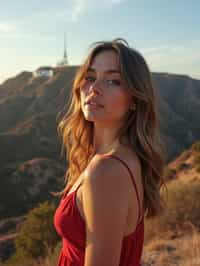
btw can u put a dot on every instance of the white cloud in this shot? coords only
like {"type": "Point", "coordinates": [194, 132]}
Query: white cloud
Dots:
{"type": "Point", "coordinates": [6, 27]}
{"type": "Point", "coordinates": [80, 7]}
{"type": "Point", "coordinates": [117, 1]}
{"type": "Point", "coordinates": [72, 12]}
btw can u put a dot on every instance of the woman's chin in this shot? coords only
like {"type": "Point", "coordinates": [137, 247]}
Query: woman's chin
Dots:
{"type": "Point", "coordinates": [93, 117]}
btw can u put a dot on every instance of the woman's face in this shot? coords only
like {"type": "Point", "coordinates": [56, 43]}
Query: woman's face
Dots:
{"type": "Point", "coordinates": [104, 85]}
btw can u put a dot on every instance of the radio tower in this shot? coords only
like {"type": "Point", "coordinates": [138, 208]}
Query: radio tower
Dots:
{"type": "Point", "coordinates": [65, 52]}
{"type": "Point", "coordinates": [64, 62]}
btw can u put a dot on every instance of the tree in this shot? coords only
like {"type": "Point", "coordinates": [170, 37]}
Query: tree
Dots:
{"type": "Point", "coordinates": [37, 236]}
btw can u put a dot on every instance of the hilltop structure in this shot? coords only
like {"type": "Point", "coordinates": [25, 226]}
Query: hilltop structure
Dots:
{"type": "Point", "coordinates": [64, 62]}
{"type": "Point", "coordinates": [48, 71]}
{"type": "Point", "coordinates": [45, 71]}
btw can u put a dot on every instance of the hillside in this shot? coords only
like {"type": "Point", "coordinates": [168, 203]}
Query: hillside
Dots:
{"type": "Point", "coordinates": [174, 237]}
{"type": "Point", "coordinates": [30, 162]}
{"type": "Point", "coordinates": [28, 132]}
{"type": "Point", "coordinates": [29, 112]}
{"type": "Point", "coordinates": [171, 239]}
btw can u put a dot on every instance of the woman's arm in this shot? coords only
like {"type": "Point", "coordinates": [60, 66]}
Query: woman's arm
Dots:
{"type": "Point", "coordinates": [105, 206]}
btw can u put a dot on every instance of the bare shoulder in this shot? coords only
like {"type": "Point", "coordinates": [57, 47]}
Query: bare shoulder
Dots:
{"type": "Point", "coordinates": [112, 174]}
{"type": "Point", "coordinates": [108, 175]}
{"type": "Point", "coordinates": [104, 190]}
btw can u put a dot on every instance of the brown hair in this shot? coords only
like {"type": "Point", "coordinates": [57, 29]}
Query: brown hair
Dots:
{"type": "Point", "coordinates": [140, 127]}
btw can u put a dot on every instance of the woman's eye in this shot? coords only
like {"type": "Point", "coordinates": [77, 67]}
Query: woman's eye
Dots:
{"type": "Point", "coordinates": [113, 82]}
{"type": "Point", "coordinates": [89, 78]}
{"type": "Point", "coordinates": [108, 81]}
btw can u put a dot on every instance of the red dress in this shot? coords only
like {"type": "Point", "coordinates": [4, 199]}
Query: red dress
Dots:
{"type": "Point", "coordinates": [70, 226]}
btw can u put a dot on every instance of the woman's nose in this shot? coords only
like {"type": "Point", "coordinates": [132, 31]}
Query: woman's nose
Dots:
{"type": "Point", "coordinates": [96, 86]}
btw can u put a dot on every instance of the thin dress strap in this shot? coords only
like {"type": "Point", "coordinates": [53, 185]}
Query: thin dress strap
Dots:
{"type": "Point", "coordinates": [132, 178]}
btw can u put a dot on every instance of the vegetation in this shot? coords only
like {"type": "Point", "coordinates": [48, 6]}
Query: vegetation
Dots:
{"type": "Point", "coordinates": [197, 162]}
{"type": "Point", "coordinates": [196, 146]}
{"type": "Point", "coordinates": [184, 251]}
{"type": "Point", "coordinates": [181, 166]}
{"type": "Point", "coordinates": [182, 210]}
{"type": "Point", "coordinates": [185, 154]}
{"type": "Point", "coordinates": [169, 173]}
{"type": "Point", "coordinates": [198, 168]}
{"type": "Point", "coordinates": [197, 159]}
{"type": "Point", "coordinates": [37, 237]}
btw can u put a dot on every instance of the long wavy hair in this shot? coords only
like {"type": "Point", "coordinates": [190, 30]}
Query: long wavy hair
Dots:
{"type": "Point", "coordinates": [141, 126]}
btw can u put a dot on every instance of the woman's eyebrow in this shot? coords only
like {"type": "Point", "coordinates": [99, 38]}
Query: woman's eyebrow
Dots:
{"type": "Point", "coordinates": [109, 71]}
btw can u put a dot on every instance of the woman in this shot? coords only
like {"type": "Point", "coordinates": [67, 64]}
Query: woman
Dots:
{"type": "Point", "coordinates": [115, 165]}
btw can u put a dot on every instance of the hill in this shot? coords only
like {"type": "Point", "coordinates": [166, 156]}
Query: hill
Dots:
{"type": "Point", "coordinates": [29, 111]}
{"type": "Point", "coordinates": [172, 238]}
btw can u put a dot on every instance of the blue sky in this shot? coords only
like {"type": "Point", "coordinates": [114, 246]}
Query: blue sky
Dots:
{"type": "Point", "coordinates": [167, 33]}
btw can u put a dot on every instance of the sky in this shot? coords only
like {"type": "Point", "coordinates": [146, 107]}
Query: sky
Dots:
{"type": "Point", "coordinates": [166, 33]}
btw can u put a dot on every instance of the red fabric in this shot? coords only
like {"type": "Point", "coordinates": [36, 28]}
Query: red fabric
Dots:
{"type": "Point", "coordinates": [71, 227]}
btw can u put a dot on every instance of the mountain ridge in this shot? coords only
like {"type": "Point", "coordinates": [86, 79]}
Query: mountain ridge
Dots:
{"type": "Point", "coordinates": [30, 109]}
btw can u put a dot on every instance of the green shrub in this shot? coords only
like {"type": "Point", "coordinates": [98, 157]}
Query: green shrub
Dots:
{"type": "Point", "coordinates": [16, 261]}
{"type": "Point", "coordinates": [185, 154]}
{"type": "Point", "coordinates": [50, 260]}
{"type": "Point", "coordinates": [37, 236]}
{"type": "Point", "coordinates": [196, 146]}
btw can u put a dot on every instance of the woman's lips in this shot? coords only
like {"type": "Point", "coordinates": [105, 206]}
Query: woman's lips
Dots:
{"type": "Point", "coordinates": [93, 105]}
